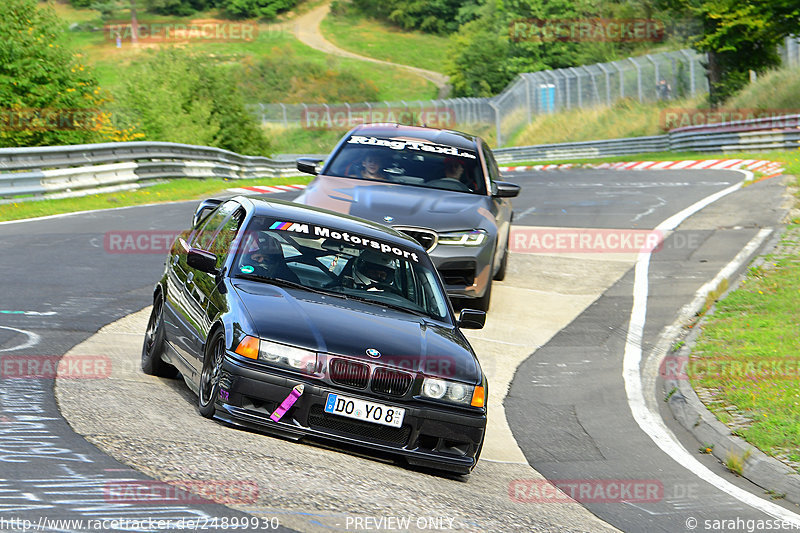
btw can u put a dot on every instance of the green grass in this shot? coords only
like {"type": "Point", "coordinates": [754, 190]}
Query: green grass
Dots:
{"type": "Point", "coordinates": [776, 90]}
{"type": "Point", "coordinates": [315, 76]}
{"type": "Point", "coordinates": [181, 189]}
{"type": "Point", "coordinates": [749, 352]}
{"type": "Point", "coordinates": [626, 118]}
{"type": "Point", "coordinates": [377, 39]}
{"type": "Point", "coordinates": [303, 141]}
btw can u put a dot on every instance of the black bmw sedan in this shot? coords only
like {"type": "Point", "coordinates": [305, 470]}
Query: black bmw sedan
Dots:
{"type": "Point", "coordinates": [306, 323]}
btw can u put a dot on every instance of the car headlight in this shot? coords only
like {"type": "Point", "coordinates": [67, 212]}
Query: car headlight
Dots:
{"type": "Point", "coordinates": [450, 391]}
{"type": "Point", "coordinates": [283, 355]}
{"type": "Point", "coordinates": [287, 356]}
{"type": "Point", "coordinates": [463, 238]}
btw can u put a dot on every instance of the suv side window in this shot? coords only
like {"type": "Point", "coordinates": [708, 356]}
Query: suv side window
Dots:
{"type": "Point", "coordinates": [205, 236]}
{"type": "Point", "coordinates": [491, 165]}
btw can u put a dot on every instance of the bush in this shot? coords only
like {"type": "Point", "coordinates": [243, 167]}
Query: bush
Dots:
{"type": "Point", "coordinates": [179, 97]}
{"type": "Point", "coordinates": [267, 9]}
{"type": "Point", "coordinates": [281, 76]}
{"type": "Point", "coordinates": [47, 96]}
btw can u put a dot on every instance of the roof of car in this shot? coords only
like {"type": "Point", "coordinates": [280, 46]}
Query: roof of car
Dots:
{"type": "Point", "coordinates": [323, 217]}
{"type": "Point", "coordinates": [438, 136]}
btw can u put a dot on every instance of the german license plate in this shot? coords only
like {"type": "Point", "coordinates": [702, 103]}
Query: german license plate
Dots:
{"type": "Point", "coordinates": [362, 410]}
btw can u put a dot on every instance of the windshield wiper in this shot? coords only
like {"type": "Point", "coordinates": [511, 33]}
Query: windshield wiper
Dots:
{"type": "Point", "coordinates": [396, 307]}
{"type": "Point", "coordinates": [286, 283]}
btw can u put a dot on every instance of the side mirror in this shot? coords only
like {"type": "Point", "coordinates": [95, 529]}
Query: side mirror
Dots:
{"type": "Point", "coordinates": [503, 189]}
{"type": "Point", "coordinates": [205, 207]}
{"type": "Point", "coordinates": [471, 319]}
{"type": "Point", "coordinates": [308, 165]}
{"type": "Point", "coordinates": [202, 260]}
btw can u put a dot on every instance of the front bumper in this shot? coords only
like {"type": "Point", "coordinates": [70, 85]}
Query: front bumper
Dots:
{"type": "Point", "coordinates": [430, 436]}
{"type": "Point", "coordinates": [465, 270]}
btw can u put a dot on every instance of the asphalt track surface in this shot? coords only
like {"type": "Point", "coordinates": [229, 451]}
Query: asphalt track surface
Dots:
{"type": "Point", "coordinates": [567, 406]}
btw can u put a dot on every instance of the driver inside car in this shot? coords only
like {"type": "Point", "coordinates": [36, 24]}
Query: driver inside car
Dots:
{"type": "Point", "coordinates": [265, 255]}
{"type": "Point", "coordinates": [374, 271]}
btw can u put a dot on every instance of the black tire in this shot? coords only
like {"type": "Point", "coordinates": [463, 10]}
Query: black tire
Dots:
{"type": "Point", "coordinates": [501, 272]}
{"type": "Point", "coordinates": [153, 346]}
{"type": "Point", "coordinates": [482, 303]}
{"type": "Point", "coordinates": [208, 391]}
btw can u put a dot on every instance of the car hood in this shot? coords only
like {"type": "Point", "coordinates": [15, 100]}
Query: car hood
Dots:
{"type": "Point", "coordinates": [408, 205]}
{"type": "Point", "coordinates": [333, 325]}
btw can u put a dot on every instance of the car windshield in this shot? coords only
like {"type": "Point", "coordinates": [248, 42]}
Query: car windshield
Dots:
{"type": "Point", "coordinates": [410, 161]}
{"type": "Point", "coordinates": [351, 266]}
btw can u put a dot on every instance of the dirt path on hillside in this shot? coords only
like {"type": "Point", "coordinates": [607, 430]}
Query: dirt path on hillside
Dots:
{"type": "Point", "coordinates": [306, 29]}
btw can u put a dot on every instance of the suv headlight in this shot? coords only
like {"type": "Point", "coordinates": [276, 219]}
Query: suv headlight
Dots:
{"type": "Point", "coordinates": [463, 238]}
{"type": "Point", "coordinates": [453, 392]}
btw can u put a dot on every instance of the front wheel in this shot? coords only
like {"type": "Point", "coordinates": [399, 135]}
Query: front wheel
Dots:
{"type": "Point", "coordinates": [482, 303]}
{"type": "Point", "coordinates": [209, 377]}
{"type": "Point", "coordinates": [153, 347]}
{"type": "Point", "coordinates": [501, 272]}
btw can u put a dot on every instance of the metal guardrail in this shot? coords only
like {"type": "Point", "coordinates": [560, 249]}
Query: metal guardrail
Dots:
{"type": "Point", "coordinates": [58, 171]}
{"type": "Point", "coordinates": [771, 133]}
{"type": "Point", "coordinates": [583, 150]}
{"type": "Point", "coordinates": [74, 170]}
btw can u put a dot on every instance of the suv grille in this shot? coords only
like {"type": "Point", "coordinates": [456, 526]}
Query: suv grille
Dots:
{"type": "Point", "coordinates": [349, 373]}
{"type": "Point", "coordinates": [392, 382]}
{"type": "Point", "coordinates": [426, 238]}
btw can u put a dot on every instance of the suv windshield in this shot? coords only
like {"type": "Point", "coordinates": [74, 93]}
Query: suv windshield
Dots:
{"type": "Point", "coordinates": [409, 161]}
{"type": "Point", "coordinates": [338, 262]}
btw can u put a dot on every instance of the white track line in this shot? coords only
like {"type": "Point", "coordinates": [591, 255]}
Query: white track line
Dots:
{"type": "Point", "coordinates": [33, 339]}
{"type": "Point", "coordinates": [650, 422]}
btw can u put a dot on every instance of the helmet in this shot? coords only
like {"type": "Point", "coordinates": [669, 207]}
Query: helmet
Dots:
{"type": "Point", "coordinates": [373, 269]}
{"type": "Point", "coordinates": [264, 248]}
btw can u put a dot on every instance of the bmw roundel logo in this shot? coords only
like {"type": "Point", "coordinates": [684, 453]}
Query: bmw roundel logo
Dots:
{"type": "Point", "coordinates": [372, 352]}
{"type": "Point", "coordinates": [387, 218]}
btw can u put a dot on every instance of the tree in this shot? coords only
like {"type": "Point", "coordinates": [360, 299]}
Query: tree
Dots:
{"type": "Point", "coordinates": [47, 95]}
{"type": "Point", "coordinates": [738, 37]}
{"type": "Point", "coordinates": [267, 9]}
{"type": "Point", "coordinates": [476, 55]}
{"type": "Point", "coordinates": [176, 96]}
{"type": "Point", "coordinates": [433, 16]}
